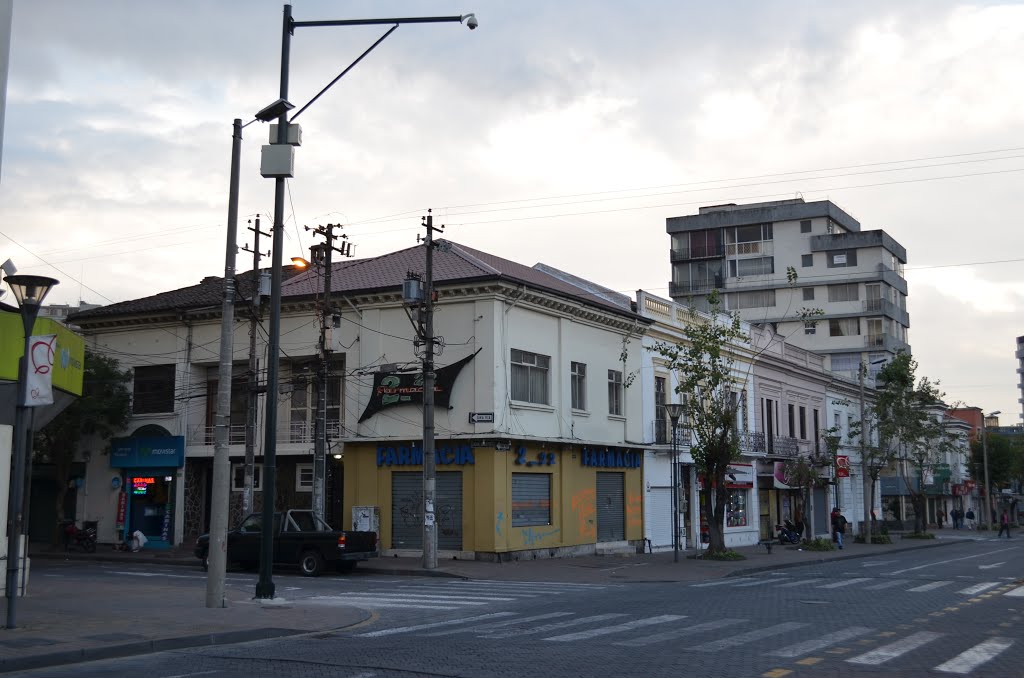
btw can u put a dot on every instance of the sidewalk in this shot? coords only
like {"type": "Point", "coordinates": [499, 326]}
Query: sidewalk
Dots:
{"type": "Point", "coordinates": [59, 623]}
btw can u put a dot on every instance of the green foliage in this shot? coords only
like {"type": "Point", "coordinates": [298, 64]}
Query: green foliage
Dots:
{"type": "Point", "coordinates": [875, 539]}
{"type": "Point", "coordinates": [710, 389]}
{"type": "Point", "coordinates": [102, 411]}
{"type": "Point", "coordinates": [1005, 459]}
{"type": "Point", "coordinates": [728, 554]}
{"type": "Point", "coordinates": [819, 544]}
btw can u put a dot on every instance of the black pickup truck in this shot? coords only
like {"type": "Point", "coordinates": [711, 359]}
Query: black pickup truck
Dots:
{"type": "Point", "coordinates": [300, 538]}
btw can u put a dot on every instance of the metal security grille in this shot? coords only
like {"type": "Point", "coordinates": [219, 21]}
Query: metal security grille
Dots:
{"type": "Point", "coordinates": [531, 499]}
{"type": "Point", "coordinates": [658, 515]}
{"type": "Point", "coordinates": [610, 506]}
{"type": "Point", "coordinates": [407, 510]}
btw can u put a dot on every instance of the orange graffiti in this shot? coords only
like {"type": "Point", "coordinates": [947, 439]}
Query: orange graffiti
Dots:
{"type": "Point", "coordinates": [584, 505]}
{"type": "Point", "coordinates": [635, 511]}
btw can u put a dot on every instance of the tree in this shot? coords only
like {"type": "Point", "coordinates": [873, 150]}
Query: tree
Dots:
{"type": "Point", "coordinates": [911, 423]}
{"type": "Point", "coordinates": [704, 364]}
{"type": "Point", "coordinates": [103, 410]}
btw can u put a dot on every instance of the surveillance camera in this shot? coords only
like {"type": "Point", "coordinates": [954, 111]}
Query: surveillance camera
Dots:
{"type": "Point", "coordinates": [471, 21]}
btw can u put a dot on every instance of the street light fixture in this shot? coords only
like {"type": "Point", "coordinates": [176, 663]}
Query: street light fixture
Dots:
{"type": "Point", "coordinates": [984, 453]}
{"type": "Point", "coordinates": [29, 290]}
{"type": "Point", "coordinates": [265, 585]}
{"type": "Point", "coordinates": [674, 412]}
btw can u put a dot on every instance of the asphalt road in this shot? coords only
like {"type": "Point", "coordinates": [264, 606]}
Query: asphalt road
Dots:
{"type": "Point", "coordinates": [955, 611]}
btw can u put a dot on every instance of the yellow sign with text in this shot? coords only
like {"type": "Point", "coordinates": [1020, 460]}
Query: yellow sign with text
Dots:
{"type": "Point", "coordinates": [68, 357]}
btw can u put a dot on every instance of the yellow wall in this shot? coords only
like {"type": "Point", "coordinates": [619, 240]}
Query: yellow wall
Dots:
{"type": "Point", "coordinates": [487, 491]}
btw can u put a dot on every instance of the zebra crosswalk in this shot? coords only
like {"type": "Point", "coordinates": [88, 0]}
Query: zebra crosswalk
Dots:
{"type": "Point", "coordinates": [910, 585]}
{"type": "Point", "coordinates": [451, 595]}
{"type": "Point", "coordinates": [788, 640]}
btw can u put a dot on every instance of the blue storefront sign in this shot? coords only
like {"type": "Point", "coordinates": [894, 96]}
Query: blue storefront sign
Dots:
{"type": "Point", "coordinates": [163, 452]}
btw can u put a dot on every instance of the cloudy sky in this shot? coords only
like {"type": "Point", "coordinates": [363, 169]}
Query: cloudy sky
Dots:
{"type": "Point", "coordinates": [563, 132]}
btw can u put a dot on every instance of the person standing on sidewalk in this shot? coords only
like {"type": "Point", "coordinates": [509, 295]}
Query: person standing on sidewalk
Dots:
{"type": "Point", "coordinates": [970, 518]}
{"type": "Point", "coordinates": [1004, 525]}
{"type": "Point", "coordinates": [838, 526]}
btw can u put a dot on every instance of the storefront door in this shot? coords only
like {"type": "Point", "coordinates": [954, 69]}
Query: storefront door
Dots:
{"type": "Point", "coordinates": [407, 510]}
{"type": "Point", "coordinates": [150, 497]}
{"type": "Point", "coordinates": [611, 524]}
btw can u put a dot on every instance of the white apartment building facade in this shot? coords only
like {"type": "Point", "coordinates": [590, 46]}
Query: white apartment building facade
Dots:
{"type": "Point", "coordinates": [771, 260]}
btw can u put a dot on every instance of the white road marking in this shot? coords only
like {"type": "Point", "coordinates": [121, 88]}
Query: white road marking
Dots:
{"type": "Point", "coordinates": [1017, 592]}
{"type": "Point", "coordinates": [930, 587]}
{"type": "Point", "coordinates": [361, 602]}
{"type": "Point", "coordinates": [878, 563]}
{"type": "Point", "coordinates": [497, 625]}
{"type": "Point", "coordinates": [886, 584]}
{"type": "Point", "coordinates": [435, 596]}
{"type": "Point", "coordinates": [720, 582]}
{"type": "Point", "coordinates": [809, 646]}
{"type": "Point", "coordinates": [845, 582]}
{"type": "Point", "coordinates": [951, 560]}
{"type": "Point", "coordinates": [557, 625]}
{"type": "Point", "coordinates": [721, 644]}
{"type": "Point", "coordinates": [433, 625]}
{"type": "Point", "coordinates": [426, 603]}
{"type": "Point", "coordinates": [800, 583]}
{"type": "Point", "coordinates": [679, 633]}
{"type": "Point", "coordinates": [989, 567]}
{"type": "Point", "coordinates": [893, 650]}
{"type": "Point", "coordinates": [198, 673]}
{"type": "Point", "coordinates": [606, 630]}
{"type": "Point", "coordinates": [542, 584]}
{"type": "Point", "coordinates": [967, 661]}
{"type": "Point", "coordinates": [759, 582]}
{"type": "Point", "coordinates": [978, 588]}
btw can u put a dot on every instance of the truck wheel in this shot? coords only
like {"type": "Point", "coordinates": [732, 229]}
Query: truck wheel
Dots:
{"type": "Point", "coordinates": [311, 564]}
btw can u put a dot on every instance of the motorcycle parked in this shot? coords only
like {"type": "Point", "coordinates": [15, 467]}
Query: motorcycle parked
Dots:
{"type": "Point", "coordinates": [75, 537]}
{"type": "Point", "coordinates": [787, 536]}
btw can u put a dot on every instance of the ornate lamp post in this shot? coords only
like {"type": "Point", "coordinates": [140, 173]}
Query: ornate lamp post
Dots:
{"type": "Point", "coordinates": [674, 412]}
{"type": "Point", "coordinates": [29, 290]}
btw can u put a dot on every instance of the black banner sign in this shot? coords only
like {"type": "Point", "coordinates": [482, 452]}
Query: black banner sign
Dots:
{"type": "Point", "coordinates": [406, 388]}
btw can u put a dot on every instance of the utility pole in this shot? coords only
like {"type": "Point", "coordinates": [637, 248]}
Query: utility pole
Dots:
{"type": "Point", "coordinates": [421, 295]}
{"type": "Point", "coordinates": [321, 255]}
{"type": "Point", "coordinates": [217, 548]}
{"type": "Point", "coordinates": [253, 385]}
{"type": "Point", "coordinates": [865, 466]}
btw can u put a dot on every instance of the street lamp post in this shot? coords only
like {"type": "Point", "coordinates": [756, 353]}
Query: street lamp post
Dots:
{"type": "Point", "coordinates": [279, 110]}
{"type": "Point", "coordinates": [674, 411]}
{"type": "Point", "coordinates": [29, 290]}
{"type": "Point", "coordinates": [984, 455]}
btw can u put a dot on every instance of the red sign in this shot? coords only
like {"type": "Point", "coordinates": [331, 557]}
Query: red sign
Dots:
{"type": "Point", "coordinates": [842, 466]}
{"type": "Point", "coordinates": [122, 504]}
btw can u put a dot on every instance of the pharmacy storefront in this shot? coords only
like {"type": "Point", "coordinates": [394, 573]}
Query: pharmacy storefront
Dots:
{"type": "Point", "coordinates": [500, 500]}
{"type": "Point", "coordinates": [146, 473]}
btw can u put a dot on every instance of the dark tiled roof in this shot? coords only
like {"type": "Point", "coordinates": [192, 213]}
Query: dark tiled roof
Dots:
{"type": "Point", "coordinates": [453, 264]}
{"type": "Point", "coordinates": [209, 292]}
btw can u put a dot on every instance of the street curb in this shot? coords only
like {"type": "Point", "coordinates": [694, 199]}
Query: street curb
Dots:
{"type": "Point", "coordinates": [854, 556]}
{"type": "Point", "coordinates": [115, 558]}
{"type": "Point", "coordinates": [158, 645]}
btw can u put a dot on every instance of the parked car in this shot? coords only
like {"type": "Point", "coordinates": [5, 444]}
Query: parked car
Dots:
{"type": "Point", "coordinates": [300, 538]}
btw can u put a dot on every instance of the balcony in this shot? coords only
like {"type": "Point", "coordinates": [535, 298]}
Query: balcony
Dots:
{"type": "Point", "coordinates": [687, 288]}
{"type": "Point", "coordinates": [690, 253]}
{"type": "Point", "coordinates": [663, 434]}
{"type": "Point", "coordinates": [295, 432]}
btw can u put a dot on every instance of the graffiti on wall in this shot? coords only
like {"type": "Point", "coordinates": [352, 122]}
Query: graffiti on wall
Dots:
{"type": "Point", "coordinates": [497, 523]}
{"type": "Point", "coordinates": [584, 505]}
{"type": "Point", "coordinates": [634, 510]}
{"type": "Point", "coordinates": [532, 537]}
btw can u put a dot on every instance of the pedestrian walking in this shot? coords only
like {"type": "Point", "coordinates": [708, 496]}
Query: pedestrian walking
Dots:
{"type": "Point", "coordinates": [1004, 525]}
{"type": "Point", "coordinates": [970, 518]}
{"type": "Point", "coordinates": [838, 527]}
{"type": "Point", "coordinates": [952, 517]}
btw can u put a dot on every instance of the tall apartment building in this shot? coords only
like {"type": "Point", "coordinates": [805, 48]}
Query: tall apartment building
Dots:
{"type": "Point", "coordinates": [748, 253]}
{"type": "Point", "coordinates": [1020, 373]}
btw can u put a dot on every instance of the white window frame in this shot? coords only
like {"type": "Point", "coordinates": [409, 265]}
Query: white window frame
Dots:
{"type": "Point", "coordinates": [534, 364]}
{"type": "Point", "coordinates": [299, 470]}
{"type": "Point", "coordinates": [578, 385]}
{"type": "Point", "coordinates": [615, 393]}
{"type": "Point", "coordinates": [238, 474]}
